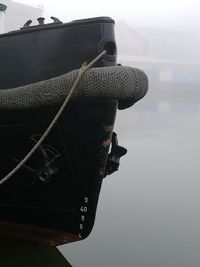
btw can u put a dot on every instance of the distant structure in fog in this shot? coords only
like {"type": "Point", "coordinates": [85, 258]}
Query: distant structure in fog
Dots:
{"type": "Point", "coordinates": [17, 14]}
{"type": "Point", "coordinates": [166, 55]}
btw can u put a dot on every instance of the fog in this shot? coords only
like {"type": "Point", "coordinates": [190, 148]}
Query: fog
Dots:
{"type": "Point", "coordinates": [178, 13]}
{"type": "Point", "coordinates": [148, 213]}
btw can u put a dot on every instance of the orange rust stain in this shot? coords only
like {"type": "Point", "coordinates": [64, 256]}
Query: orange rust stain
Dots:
{"type": "Point", "coordinates": [106, 143]}
{"type": "Point", "coordinates": [36, 234]}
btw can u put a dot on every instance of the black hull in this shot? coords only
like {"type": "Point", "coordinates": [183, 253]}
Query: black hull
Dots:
{"type": "Point", "coordinates": [53, 198]}
{"type": "Point", "coordinates": [38, 53]}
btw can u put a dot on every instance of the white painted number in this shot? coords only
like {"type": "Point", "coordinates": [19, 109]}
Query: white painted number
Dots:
{"type": "Point", "coordinates": [86, 200]}
{"type": "Point", "coordinates": [83, 209]}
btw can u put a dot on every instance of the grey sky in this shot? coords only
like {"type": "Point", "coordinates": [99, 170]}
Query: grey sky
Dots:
{"type": "Point", "coordinates": [148, 213]}
{"type": "Point", "coordinates": [171, 13]}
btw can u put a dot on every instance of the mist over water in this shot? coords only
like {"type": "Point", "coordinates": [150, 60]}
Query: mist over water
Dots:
{"type": "Point", "coordinates": [148, 213]}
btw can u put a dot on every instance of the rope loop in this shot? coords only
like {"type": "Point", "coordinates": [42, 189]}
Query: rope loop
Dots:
{"type": "Point", "coordinates": [82, 70]}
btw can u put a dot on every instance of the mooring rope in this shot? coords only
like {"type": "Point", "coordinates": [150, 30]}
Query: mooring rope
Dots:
{"type": "Point", "coordinates": [82, 70]}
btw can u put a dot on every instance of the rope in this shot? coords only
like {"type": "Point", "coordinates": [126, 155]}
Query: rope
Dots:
{"type": "Point", "coordinates": [82, 70]}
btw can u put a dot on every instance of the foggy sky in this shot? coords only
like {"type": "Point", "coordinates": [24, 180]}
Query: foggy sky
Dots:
{"type": "Point", "coordinates": [148, 213]}
{"type": "Point", "coordinates": [183, 14]}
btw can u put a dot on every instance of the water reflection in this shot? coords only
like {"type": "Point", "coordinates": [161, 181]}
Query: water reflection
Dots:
{"type": "Point", "coordinates": [148, 212]}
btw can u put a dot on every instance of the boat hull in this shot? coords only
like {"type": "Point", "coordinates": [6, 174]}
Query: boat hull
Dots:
{"type": "Point", "coordinates": [56, 191]}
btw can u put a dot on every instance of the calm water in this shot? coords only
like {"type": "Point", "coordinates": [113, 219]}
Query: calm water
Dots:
{"type": "Point", "coordinates": [148, 213]}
